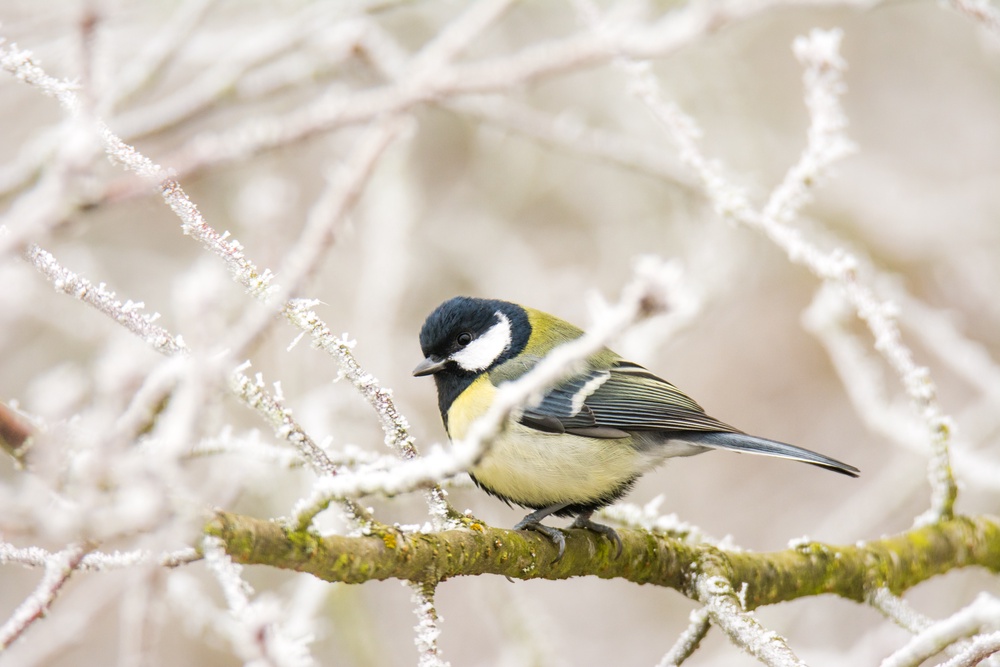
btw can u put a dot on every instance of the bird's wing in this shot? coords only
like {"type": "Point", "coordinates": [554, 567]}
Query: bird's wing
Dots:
{"type": "Point", "coordinates": [606, 403]}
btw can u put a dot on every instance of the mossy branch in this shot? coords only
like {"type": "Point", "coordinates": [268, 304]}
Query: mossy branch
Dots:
{"type": "Point", "coordinates": [854, 572]}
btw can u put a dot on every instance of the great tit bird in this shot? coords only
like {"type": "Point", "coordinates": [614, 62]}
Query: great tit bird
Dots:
{"type": "Point", "coordinates": [588, 439]}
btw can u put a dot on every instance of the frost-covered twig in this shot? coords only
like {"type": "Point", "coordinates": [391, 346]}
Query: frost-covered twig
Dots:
{"type": "Point", "coordinates": [340, 197]}
{"type": "Point", "coordinates": [256, 282]}
{"type": "Point", "coordinates": [46, 204]}
{"type": "Point", "coordinates": [58, 569]}
{"type": "Point", "coordinates": [980, 648]}
{"type": "Point", "coordinates": [325, 218]}
{"type": "Point", "coordinates": [97, 561]}
{"type": "Point", "coordinates": [899, 611]}
{"type": "Point", "coordinates": [257, 634]}
{"type": "Point", "coordinates": [648, 293]}
{"type": "Point", "coordinates": [902, 614]}
{"type": "Point", "coordinates": [254, 395]}
{"type": "Point", "coordinates": [687, 643]}
{"type": "Point", "coordinates": [20, 64]}
{"type": "Point", "coordinates": [862, 378]}
{"type": "Point", "coordinates": [982, 613]}
{"type": "Point", "coordinates": [880, 318]}
{"type": "Point", "coordinates": [938, 331]}
{"type": "Point", "coordinates": [744, 630]}
{"type": "Point", "coordinates": [129, 313]}
{"type": "Point", "coordinates": [347, 184]}
{"type": "Point", "coordinates": [209, 88]}
{"type": "Point", "coordinates": [681, 27]}
{"type": "Point", "coordinates": [820, 54]}
{"type": "Point", "coordinates": [394, 425]}
{"type": "Point", "coordinates": [859, 373]}
{"type": "Point", "coordinates": [827, 140]}
{"type": "Point", "coordinates": [435, 83]}
{"type": "Point", "coordinates": [428, 626]}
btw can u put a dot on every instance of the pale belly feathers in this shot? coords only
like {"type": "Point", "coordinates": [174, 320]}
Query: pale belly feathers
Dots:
{"type": "Point", "coordinates": [531, 467]}
{"type": "Point", "coordinates": [536, 468]}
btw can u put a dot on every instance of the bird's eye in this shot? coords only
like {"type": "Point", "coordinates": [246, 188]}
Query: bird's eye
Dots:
{"type": "Point", "coordinates": [464, 338]}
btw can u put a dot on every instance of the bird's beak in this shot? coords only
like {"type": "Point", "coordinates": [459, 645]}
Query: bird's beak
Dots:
{"type": "Point", "coordinates": [429, 366]}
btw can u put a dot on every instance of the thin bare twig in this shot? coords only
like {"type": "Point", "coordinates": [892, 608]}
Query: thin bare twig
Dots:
{"type": "Point", "coordinates": [59, 567]}
{"type": "Point", "coordinates": [689, 640]}
{"type": "Point", "coordinates": [743, 629]}
{"type": "Point", "coordinates": [826, 144]}
{"type": "Point", "coordinates": [428, 627]}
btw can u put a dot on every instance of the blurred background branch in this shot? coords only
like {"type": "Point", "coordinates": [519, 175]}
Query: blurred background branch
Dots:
{"type": "Point", "coordinates": [354, 164]}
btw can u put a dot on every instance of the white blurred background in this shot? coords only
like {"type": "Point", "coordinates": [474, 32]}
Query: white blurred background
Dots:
{"type": "Point", "coordinates": [467, 201]}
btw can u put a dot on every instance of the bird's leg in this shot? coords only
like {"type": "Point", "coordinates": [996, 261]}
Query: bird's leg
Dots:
{"type": "Point", "coordinates": [583, 521]}
{"type": "Point", "coordinates": [531, 522]}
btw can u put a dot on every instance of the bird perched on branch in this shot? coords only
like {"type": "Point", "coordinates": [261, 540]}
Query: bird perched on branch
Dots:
{"type": "Point", "coordinates": [588, 439]}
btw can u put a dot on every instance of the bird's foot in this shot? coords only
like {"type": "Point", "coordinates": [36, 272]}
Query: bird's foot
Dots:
{"type": "Point", "coordinates": [554, 535]}
{"type": "Point", "coordinates": [583, 521]}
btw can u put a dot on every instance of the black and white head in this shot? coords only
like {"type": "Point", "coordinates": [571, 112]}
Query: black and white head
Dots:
{"type": "Point", "coordinates": [466, 336]}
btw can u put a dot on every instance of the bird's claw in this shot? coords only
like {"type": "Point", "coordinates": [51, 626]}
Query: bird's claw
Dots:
{"type": "Point", "coordinates": [557, 538]}
{"type": "Point", "coordinates": [583, 521]}
{"type": "Point", "coordinates": [554, 535]}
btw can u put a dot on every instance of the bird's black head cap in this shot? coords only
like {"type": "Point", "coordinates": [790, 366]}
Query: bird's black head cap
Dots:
{"type": "Point", "coordinates": [441, 333]}
{"type": "Point", "coordinates": [465, 337]}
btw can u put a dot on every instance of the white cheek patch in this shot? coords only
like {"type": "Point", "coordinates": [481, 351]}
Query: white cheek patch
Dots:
{"type": "Point", "coordinates": [483, 351]}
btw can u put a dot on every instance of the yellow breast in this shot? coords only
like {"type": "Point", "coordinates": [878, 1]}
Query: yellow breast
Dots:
{"type": "Point", "coordinates": [469, 406]}
{"type": "Point", "coordinates": [537, 469]}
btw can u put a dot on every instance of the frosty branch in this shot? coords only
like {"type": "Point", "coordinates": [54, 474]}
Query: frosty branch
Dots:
{"type": "Point", "coordinates": [827, 143]}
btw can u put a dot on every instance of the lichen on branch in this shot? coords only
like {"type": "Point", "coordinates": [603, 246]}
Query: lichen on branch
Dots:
{"type": "Point", "coordinates": [896, 563]}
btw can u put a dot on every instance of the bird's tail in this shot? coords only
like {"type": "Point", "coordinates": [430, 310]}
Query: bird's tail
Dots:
{"type": "Point", "coordinates": [740, 442]}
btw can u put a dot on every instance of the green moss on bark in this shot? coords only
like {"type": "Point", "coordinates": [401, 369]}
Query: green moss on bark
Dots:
{"type": "Point", "coordinates": [854, 572]}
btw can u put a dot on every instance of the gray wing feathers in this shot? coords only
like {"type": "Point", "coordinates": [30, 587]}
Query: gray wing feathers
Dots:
{"type": "Point", "coordinates": [619, 399]}
{"type": "Point", "coordinates": [628, 399]}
